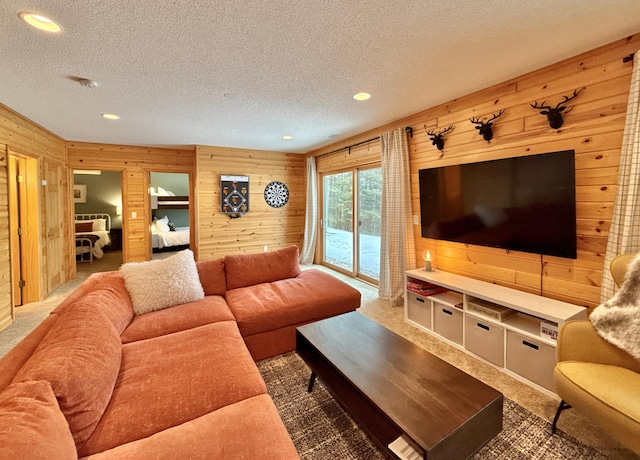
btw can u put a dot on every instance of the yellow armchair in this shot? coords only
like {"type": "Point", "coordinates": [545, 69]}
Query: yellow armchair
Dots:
{"type": "Point", "coordinates": [599, 380]}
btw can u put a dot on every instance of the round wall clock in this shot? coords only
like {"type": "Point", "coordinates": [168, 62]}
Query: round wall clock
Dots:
{"type": "Point", "coordinates": [276, 194]}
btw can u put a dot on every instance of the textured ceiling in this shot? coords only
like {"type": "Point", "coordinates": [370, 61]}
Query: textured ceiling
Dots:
{"type": "Point", "coordinates": [243, 73]}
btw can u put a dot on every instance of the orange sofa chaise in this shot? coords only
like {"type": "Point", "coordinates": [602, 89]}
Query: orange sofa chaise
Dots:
{"type": "Point", "coordinates": [95, 380]}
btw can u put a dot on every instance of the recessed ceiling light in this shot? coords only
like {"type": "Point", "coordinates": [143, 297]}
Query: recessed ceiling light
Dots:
{"type": "Point", "coordinates": [110, 116]}
{"type": "Point", "coordinates": [287, 137]}
{"type": "Point", "coordinates": [361, 96]}
{"type": "Point", "coordinates": [40, 22]}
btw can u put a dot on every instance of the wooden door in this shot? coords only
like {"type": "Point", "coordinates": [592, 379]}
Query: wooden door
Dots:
{"type": "Point", "coordinates": [14, 230]}
{"type": "Point", "coordinates": [54, 224]}
{"type": "Point", "coordinates": [24, 229]}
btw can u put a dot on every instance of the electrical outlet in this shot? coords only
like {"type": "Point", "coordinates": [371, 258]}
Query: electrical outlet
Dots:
{"type": "Point", "coordinates": [134, 215]}
{"type": "Point", "coordinates": [266, 248]}
{"type": "Point", "coordinates": [416, 220]}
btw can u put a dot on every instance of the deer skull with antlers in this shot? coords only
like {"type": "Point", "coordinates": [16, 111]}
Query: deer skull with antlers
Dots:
{"type": "Point", "coordinates": [437, 139]}
{"type": "Point", "coordinates": [485, 127]}
{"type": "Point", "coordinates": [554, 114]}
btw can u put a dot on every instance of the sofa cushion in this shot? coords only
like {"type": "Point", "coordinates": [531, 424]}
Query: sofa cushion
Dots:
{"type": "Point", "coordinates": [264, 267]}
{"type": "Point", "coordinates": [87, 286]}
{"type": "Point", "coordinates": [212, 276]}
{"type": "Point", "coordinates": [12, 362]}
{"type": "Point", "coordinates": [311, 296]}
{"type": "Point", "coordinates": [158, 284]}
{"type": "Point", "coordinates": [32, 425]}
{"type": "Point", "coordinates": [211, 309]}
{"type": "Point", "coordinates": [249, 429]}
{"type": "Point", "coordinates": [80, 357]}
{"type": "Point", "coordinates": [110, 296]}
{"type": "Point", "coordinates": [169, 380]}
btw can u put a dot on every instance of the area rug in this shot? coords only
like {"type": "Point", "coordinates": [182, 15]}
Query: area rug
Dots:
{"type": "Point", "coordinates": [321, 429]}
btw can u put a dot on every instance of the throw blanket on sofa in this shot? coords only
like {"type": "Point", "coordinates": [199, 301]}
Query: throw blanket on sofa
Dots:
{"type": "Point", "coordinates": [618, 319]}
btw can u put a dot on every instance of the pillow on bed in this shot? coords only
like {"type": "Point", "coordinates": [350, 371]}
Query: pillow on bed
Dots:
{"type": "Point", "coordinates": [84, 226]}
{"type": "Point", "coordinates": [158, 284]}
{"type": "Point", "coordinates": [162, 192]}
{"type": "Point", "coordinates": [99, 225]}
{"type": "Point", "coordinates": [163, 225]}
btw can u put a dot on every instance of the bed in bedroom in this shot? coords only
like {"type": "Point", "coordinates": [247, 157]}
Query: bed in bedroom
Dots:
{"type": "Point", "coordinates": [167, 237]}
{"type": "Point", "coordinates": [164, 235]}
{"type": "Point", "coordinates": [92, 234]}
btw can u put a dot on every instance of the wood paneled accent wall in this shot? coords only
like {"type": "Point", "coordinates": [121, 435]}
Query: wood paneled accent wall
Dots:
{"type": "Point", "coordinates": [218, 234]}
{"type": "Point", "coordinates": [364, 154]}
{"type": "Point", "coordinates": [593, 128]}
{"type": "Point", "coordinates": [21, 136]}
{"type": "Point", "coordinates": [135, 163]}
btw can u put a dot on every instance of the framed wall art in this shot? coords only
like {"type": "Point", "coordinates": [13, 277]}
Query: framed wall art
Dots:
{"type": "Point", "coordinates": [79, 193]}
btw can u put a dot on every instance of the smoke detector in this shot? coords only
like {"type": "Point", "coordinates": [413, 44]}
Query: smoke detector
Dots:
{"type": "Point", "coordinates": [88, 83]}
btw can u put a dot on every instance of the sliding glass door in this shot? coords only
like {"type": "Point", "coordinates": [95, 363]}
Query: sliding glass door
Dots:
{"type": "Point", "coordinates": [337, 222]}
{"type": "Point", "coordinates": [369, 205]}
{"type": "Point", "coordinates": [351, 222]}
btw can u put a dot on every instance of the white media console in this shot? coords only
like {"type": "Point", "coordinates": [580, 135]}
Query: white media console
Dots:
{"type": "Point", "coordinates": [500, 325]}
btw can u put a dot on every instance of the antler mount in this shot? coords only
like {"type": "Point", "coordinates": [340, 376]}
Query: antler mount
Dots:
{"type": "Point", "coordinates": [437, 139]}
{"type": "Point", "coordinates": [554, 114]}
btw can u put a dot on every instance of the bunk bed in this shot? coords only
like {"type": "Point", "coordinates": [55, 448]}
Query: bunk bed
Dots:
{"type": "Point", "coordinates": [164, 235]}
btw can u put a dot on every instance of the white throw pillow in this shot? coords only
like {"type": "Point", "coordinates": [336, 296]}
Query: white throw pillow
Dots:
{"type": "Point", "coordinates": [159, 284]}
{"type": "Point", "coordinates": [99, 225]}
{"type": "Point", "coordinates": [163, 225]}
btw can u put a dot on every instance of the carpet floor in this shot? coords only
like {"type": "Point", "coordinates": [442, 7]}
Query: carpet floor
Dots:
{"type": "Point", "coordinates": [321, 429]}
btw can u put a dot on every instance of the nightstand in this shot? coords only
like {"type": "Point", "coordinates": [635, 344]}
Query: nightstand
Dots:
{"type": "Point", "coordinates": [116, 238]}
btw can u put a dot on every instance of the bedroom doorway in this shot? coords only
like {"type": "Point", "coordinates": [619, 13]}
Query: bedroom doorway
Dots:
{"type": "Point", "coordinates": [170, 213]}
{"type": "Point", "coordinates": [97, 196]}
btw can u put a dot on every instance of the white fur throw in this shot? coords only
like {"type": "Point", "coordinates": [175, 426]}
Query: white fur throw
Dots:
{"type": "Point", "coordinates": [618, 319]}
{"type": "Point", "coordinates": [159, 284]}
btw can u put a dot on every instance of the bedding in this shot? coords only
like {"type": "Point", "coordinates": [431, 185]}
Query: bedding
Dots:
{"type": "Point", "coordinates": [164, 239]}
{"type": "Point", "coordinates": [95, 227]}
{"type": "Point", "coordinates": [103, 239]}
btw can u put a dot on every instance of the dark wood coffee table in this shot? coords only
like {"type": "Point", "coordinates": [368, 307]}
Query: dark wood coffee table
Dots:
{"type": "Point", "coordinates": [394, 388]}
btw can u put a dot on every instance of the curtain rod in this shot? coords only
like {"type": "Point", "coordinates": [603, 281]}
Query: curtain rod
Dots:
{"type": "Point", "coordinates": [408, 129]}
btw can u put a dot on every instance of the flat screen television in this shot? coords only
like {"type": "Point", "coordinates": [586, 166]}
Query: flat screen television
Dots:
{"type": "Point", "coordinates": [524, 204]}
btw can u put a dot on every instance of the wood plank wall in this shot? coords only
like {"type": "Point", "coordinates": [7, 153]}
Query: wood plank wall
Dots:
{"type": "Point", "coordinates": [135, 163]}
{"type": "Point", "coordinates": [593, 128]}
{"type": "Point", "coordinates": [218, 234]}
{"type": "Point", "coordinates": [22, 136]}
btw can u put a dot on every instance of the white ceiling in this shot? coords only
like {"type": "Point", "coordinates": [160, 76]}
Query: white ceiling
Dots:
{"type": "Point", "coordinates": [242, 73]}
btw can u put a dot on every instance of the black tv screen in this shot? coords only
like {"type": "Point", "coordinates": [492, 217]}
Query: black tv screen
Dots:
{"type": "Point", "coordinates": [523, 204]}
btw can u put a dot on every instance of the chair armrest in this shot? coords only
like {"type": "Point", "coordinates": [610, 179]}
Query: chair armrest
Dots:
{"type": "Point", "coordinates": [579, 341]}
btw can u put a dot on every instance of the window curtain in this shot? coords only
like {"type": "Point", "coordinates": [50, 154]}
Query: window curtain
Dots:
{"type": "Point", "coordinates": [311, 215]}
{"type": "Point", "coordinates": [624, 234]}
{"type": "Point", "coordinates": [397, 247]}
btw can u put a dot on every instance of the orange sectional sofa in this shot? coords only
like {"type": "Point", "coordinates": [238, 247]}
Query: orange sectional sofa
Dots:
{"type": "Point", "coordinates": [96, 380]}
